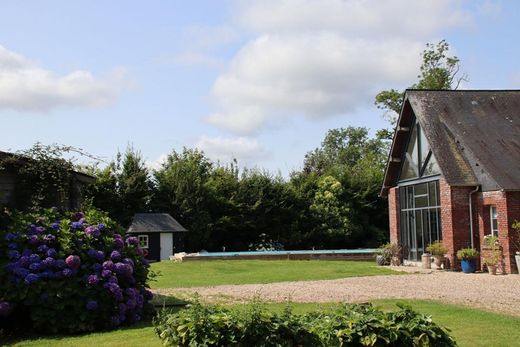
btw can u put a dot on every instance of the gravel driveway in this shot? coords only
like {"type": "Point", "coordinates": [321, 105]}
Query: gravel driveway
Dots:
{"type": "Point", "coordinates": [499, 293]}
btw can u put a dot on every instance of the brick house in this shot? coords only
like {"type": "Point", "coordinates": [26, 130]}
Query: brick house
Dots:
{"type": "Point", "coordinates": [453, 172]}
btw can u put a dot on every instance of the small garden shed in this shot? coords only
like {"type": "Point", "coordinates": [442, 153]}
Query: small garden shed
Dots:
{"type": "Point", "coordinates": [453, 173]}
{"type": "Point", "coordinates": [158, 233]}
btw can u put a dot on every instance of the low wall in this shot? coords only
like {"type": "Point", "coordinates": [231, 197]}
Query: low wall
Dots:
{"type": "Point", "coordinates": [362, 256]}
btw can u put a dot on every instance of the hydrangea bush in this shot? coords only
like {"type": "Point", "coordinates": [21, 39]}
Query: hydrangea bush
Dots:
{"type": "Point", "coordinates": [71, 273]}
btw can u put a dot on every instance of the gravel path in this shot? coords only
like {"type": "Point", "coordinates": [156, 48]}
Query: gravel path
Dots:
{"type": "Point", "coordinates": [499, 293]}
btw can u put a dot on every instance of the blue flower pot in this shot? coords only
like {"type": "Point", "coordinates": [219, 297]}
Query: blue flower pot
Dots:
{"type": "Point", "coordinates": [468, 265]}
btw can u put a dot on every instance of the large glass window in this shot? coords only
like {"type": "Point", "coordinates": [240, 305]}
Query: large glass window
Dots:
{"type": "Point", "coordinates": [420, 217]}
{"type": "Point", "coordinates": [418, 160]}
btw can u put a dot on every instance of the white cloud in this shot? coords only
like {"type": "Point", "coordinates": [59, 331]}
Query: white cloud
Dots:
{"type": "Point", "coordinates": [322, 58]}
{"type": "Point", "coordinates": [359, 17]}
{"type": "Point", "coordinates": [24, 86]}
{"type": "Point", "coordinates": [157, 163]}
{"type": "Point", "coordinates": [317, 76]}
{"type": "Point", "coordinates": [243, 149]}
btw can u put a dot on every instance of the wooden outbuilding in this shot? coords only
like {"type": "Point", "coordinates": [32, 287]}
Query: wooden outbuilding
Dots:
{"type": "Point", "coordinates": [159, 234]}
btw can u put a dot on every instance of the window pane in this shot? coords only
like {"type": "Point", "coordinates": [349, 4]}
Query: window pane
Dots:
{"type": "Point", "coordinates": [420, 189]}
{"type": "Point", "coordinates": [425, 147]}
{"type": "Point", "coordinates": [410, 166]}
{"type": "Point", "coordinates": [432, 167]}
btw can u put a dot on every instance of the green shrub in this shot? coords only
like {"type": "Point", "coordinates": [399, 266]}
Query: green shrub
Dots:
{"type": "Point", "coordinates": [467, 254]}
{"type": "Point", "coordinates": [348, 325]}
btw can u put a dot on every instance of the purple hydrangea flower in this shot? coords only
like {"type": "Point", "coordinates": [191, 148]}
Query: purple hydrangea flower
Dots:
{"type": "Point", "coordinates": [112, 279]}
{"type": "Point", "coordinates": [92, 253]}
{"type": "Point", "coordinates": [55, 226]}
{"type": "Point", "coordinates": [119, 243]}
{"type": "Point", "coordinates": [78, 216]}
{"type": "Point", "coordinates": [51, 252]}
{"type": "Point", "coordinates": [101, 226]}
{"type": "Point", "coordinates": [12, 245]}
{"type": "Point", "coordinates": [26, 252]}
{"type": "Point", "coordinates": [108, 265]}
{"type": "Point", "coordinates": [46, 274]}
{"type": "Point", "coordinates": [59, 264]}
{"type": "Point", "coordinates": [123, 269]}
{"type": "Point", "coordinates": [24, 260]}
{"type": "Point", "coordinates": [13, 255]}
{"type": "Point", "coordinates": [34, 258]}
{"type": "Point", "coordinates": [131, 304]}
{"type": "Point", "coordinates": [92, 231]}
{"type": "Point", "coordinates": [49, 262]}
{"type": "Point", "coordinates": [92, 305]}
{"type": "Point", "coordinates": [97, 268]}
{"type": "Point", "coordinates": [49, 238]}
{"type": "Point", "coordinates": [132, 240]}
{"type": "Point", "coordinates": [92, 280]}
{"type": "Point", "coordinates": [131, 292]}
{"type": "Point", "coordinates": [73, 261]}
{"type": "Point", "coordinates": [115, 255]}
{"type": "Point", "coordinates": [106, 273]}
{"type": "Point", "coordinates": [10, 237]}
{"type": "Point", "coordinates": [43, 248]}
{"type": "Point", "coordinates": [4, 308]}
{"type": "Point", "coordinates": [129, 262]}
{"type": "Point", "coordinates": [67, 273]}
{"type": "Point", "coordinates": [31, 278]}
{"type": "Point", "coordinates": [21, 272]}
{"type": "Point", "coordinates": [39, 229]}
{"type": "Point", "coordinates": [35, 266]}
{"type": "Point", "coordinates": [76, 225]}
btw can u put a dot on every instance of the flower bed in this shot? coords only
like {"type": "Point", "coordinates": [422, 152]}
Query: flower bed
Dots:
{"type": "Point", "coordinates": [71, 273]}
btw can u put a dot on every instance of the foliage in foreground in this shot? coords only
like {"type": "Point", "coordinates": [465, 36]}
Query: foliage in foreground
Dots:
{"type": "Point", "coordinates": [70, 273]}
{"type": "Point", "coordinates": [349, 325]}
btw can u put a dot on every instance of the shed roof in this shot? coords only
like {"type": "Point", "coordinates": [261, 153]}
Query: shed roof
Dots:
{"type": "Point", "coordinates": [474, 135]}
{"type": "Point", "coordinates": [154, 223]}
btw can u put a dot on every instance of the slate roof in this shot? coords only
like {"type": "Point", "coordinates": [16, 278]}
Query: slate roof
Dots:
{"type": "Point", "coordinates": [474, 135]}
{"type": "Point", "coordinates": [154, 223]}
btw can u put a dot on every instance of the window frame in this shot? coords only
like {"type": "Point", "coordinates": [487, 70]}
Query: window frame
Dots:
{"type": "Point", "coordinates": [493, 231]}
{"type": "Point", "coordinates": [141, 239]}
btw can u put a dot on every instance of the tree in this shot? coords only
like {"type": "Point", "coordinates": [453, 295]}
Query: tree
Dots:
{"type": "Point", "coordinates": [438, 71]}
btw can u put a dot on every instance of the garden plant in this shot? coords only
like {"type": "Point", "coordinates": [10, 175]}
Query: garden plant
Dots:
{"type": "Point", "coordinates": [348, 325]}
{"type": "Point", "coordinates": [64, 272]}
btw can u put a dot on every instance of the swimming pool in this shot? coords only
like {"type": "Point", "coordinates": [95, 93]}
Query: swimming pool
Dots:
{"type": "Point", "coordinates": [324, 254]}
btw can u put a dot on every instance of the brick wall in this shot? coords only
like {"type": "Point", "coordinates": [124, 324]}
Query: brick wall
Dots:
{"type": "Point", "coordinates": [455, 220]}
{"type": "Point", "coordinates": [393, 214]}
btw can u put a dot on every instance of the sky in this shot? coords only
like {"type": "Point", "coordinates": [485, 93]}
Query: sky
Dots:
{"type": "Point", "coordinates": [260, 80]}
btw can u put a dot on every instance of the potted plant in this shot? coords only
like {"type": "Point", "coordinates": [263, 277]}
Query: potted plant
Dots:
{"type": "Point", "coordinates": [468, 259]}
{"type": "Point", "coordinates": [495, 256]}
{"type": "Point", "coordinates": [437, 250]}
{"type": "Point", "coordinates": [389, 254]}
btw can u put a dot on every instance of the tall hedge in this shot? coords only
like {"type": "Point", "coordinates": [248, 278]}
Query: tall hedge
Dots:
{"type": "Point", "coordinates": [64, 272]}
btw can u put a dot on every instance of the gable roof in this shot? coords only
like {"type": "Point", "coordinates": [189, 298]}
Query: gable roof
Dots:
{"type": "Point", "coordinates": [473, 134]}
{"type": "Point", "coordinates": [154, 223]}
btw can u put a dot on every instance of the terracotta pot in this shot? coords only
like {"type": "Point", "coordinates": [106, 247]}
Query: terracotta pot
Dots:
{"type": "Point", "coordinates": [438, 260]}
{"type": "Point", "coordinates": [492, 269]}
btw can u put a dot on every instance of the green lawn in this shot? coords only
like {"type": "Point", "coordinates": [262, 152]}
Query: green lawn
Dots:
{"type": "Point", "coordinates": [470, 327]}
{"type": "Point", "coordinates": [209, 273]}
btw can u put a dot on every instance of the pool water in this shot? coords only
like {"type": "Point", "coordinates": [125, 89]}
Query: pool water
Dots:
{"type": "Point", "coordinates": [321, 251]}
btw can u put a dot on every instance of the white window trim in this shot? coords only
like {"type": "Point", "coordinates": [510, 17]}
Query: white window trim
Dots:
{"type": "Point", "coordinates": [494, 232]}
{"type": "Point", "coordinates": [142, 242]}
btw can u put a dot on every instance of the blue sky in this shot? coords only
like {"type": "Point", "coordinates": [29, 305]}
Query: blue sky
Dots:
{"type": "Point", "coordinates": [260, 80]}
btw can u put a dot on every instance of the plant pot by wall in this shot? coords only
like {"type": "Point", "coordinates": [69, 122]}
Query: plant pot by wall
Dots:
{"type": "Point", "coordinates": [468, 265]}
{"type": "Point", "coordinates": [438, 261]}
{"type": "Point", "coordinates": [492, 269]}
